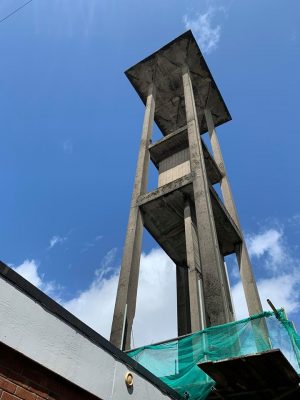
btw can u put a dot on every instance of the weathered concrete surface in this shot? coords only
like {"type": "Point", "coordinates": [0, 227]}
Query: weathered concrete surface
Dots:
{"type": "Point", "coordinates": [211, 263]}
{"type": "Point", "coordinates": [176, 142]}
{"type": "Point", "coordinates": [183, 301]}
{"type": "Point", "coordinates": [180, 183]}
{"type": "Point", "coordinates": [163, 216]}
{"type": "Point", "coordinates": [166, 64]}
{"type": "Point", "coordinates": [128, 280]}
{"type": "Point", "coordinates": [197, 314]}
{"type": "Point", "coordinates": [247, 276]}
{"type": "Point", "coordinates": [199, 235]}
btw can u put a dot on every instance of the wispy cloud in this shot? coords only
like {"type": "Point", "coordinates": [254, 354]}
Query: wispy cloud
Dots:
{"type": "Point", "coordinates": [68, 17]}
{"type": "Point", "coordinates": [67, 147]}
{"type": "Point", "coordinates": [206, 31]}
{"type": "Point", "coordinates": [107, 264]}
{"type": "Point", "coordinates": [91, 244]}
{"type": "Point", "coordinates": [294, 220]}
{"type": "Point", "coordinates": [55, 240]}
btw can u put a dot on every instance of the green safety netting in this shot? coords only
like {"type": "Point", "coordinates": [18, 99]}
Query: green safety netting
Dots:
{"type": "Point", "coordinates": [175, 362]}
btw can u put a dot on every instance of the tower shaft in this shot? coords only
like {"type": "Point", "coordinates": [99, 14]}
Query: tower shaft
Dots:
{"type": "Point", "coordinates": [184, 214]}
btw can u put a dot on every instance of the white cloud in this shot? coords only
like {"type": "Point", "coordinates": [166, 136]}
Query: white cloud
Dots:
{"type": "Point", "coordinates": [156, 300]}
{"type": "Point", "coordinates": [95, 305]}
{"type": "Point", "coordinates": [29, 270]}
{"type": "Point", "coordinates": [282, 290]}
{"type": "Point", "coordinates": [207, 34]}
{"type": "Point", "coordinates": [269, 244]}
{"type": "Point", "coordinates": [56, 240]}
{"type": "Point", "coordinates": [281, 281]}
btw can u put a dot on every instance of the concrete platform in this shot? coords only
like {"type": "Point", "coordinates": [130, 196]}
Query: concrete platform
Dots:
{"type": "Point", "coordinates": [266, 375]}
{"type": "Point", "coordinates": [163, 210]}
{"type": "Point", "coordinates": [165, 65]}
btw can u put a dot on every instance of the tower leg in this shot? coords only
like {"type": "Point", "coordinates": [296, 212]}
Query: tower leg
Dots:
{"type": "Point", "coordinates": [248, 280]}
{"type": "Point", "coordinates": [227, 291]}
{"type": "Point", "coordinates": [211, 263]}
{"type": "Point", "coordinates": [127, 289]}
{"type": "Point", "coordinates": [183, 301]}
{"type": "Point", "coordinates": [197, 311]}
{"type": "Point", "coordinates": [247, 276]}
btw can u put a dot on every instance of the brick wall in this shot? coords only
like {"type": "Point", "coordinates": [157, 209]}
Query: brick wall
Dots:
{"type": "Point", "coordinates": [22, 378]}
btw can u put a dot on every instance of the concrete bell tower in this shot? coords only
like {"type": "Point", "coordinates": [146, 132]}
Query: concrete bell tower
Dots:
{"type": "Point", "coordinates": [185, 215]}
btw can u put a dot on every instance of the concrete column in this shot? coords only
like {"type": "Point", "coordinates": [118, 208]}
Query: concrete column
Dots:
{"type": "Point", "coordinates": [183, 301]}
{"type": "Point", "coordinates": [225, 186]}
{"type": "Point", "coordinates": [128, 280]}
{"type": "Point", "coordinates": [211, 263]}
{"type": "Point", "coordinates": [247, 277]}
{"type": "Point", "coordinates": [227, 291]}
{"type": "Point", "coordinates": [230, 301]}
{"type": "Point", "coordinates": [197, 311]}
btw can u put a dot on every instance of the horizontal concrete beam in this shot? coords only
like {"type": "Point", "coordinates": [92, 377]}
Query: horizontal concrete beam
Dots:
{"type": "Point", "coordinates": [163, 216]}
{"type": "Point", "coordinates": [163, 190]}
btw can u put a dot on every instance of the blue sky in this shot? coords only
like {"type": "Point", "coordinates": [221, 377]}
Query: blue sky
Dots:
{"type": "Point", "coordinates": [70, 130]}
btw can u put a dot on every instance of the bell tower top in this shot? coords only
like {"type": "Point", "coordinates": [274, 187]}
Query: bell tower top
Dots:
{"type": "Point", "coordinates": [165, 68]}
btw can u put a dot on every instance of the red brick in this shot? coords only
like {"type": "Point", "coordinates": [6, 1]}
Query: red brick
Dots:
{"type": "Point", "coordinates": [8, 396]}
{"type": "Point", "coordinates": [25, 394]}
{"type": "Point", "coordinates": [6, 385]}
